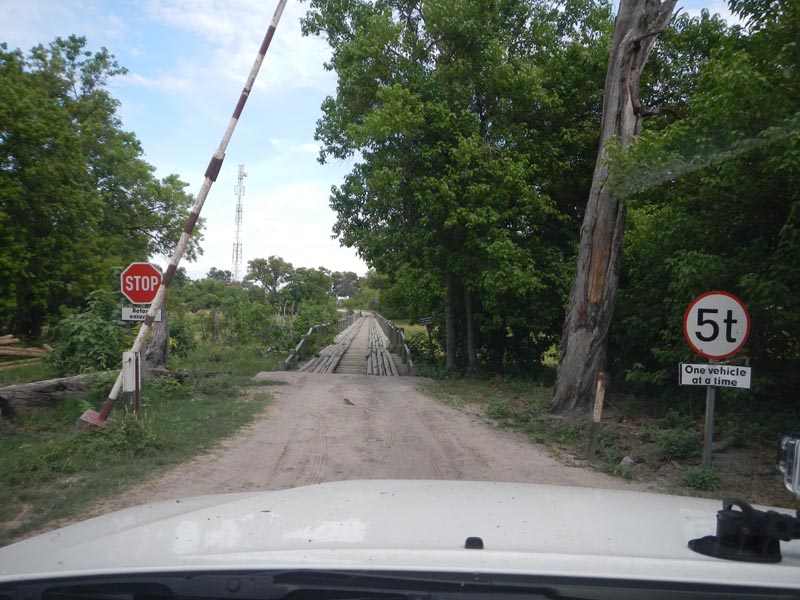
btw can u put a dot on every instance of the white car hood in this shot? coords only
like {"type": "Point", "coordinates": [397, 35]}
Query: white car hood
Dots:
{"type": "Point", "coordinates": [406, 526]}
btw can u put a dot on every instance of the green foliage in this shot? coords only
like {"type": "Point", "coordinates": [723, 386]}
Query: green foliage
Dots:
{"type": "Point", "coordinates": [742, 434]}
{"type": "Point", "coordinates": [272, 273]}
{"type": "Point", "coordinates": [76, 199]}
{"type": "Point", "coordinates": [181, 337]}
{"type": "Point", "coordinates": [92, 339]}
{"type": "Point", "coordinates": [699, 478]}
{"type": "Point", "coordinates": [678, 443]}
{"type": "Point", "coordinates": [26, 373]}
{"type": "Point", "coordinates": [44, 459]}
{"type": "Point", "coordinates": [165, 388]}
{"type": "Point", "coordinates": [311, 315]}
{"type": "Point", "coordinates": [64, 455]}
{"type": "Point", "coordinates": [366, 299]}
{"type": "Point", "coordinates": [422, 349]}
{"type": "Point", "coordinates": [498, 409]}
{"type": "Point", "coordinates": [672, 419]}
{"type": "Point", "coordinates": [221, 275]}
{"type": "Point", "coordinates": [474, 158]}
{"type": "Point", "coordinates": [247, 322]}
{"type": "Point", "coordinates": [713, 202]}
{"type": "Point", "coordinates": [345, 284]}
{"type": "Point", "coordinates": [309, 286]}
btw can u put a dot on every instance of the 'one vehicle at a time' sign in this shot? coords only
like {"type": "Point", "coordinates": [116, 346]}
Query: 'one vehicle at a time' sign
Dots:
{"type": "Point", "coordinates": [139, 282]}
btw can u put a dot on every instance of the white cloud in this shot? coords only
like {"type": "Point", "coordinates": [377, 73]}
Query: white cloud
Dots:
{"type": "Point", "coordinates": [233, 31]}
{"type": "Point", "coordinates": [720, 7]}
{"type": "Point", "coordinates": [162, 82]}
{"type": "Point", "coordinates": [290, 147]}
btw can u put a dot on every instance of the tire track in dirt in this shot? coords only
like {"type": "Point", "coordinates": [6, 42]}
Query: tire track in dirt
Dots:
{"type": "Point", "coordinates": [334, 427]}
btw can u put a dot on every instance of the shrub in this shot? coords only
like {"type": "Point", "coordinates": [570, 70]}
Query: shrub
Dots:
{"type": "Point", "coordinates": [181, 338]}
{"type": "Point", "coordinates": [678, 443]}
{"type": "Point", "coordinates": [699, 478]}
{"type": "Point", "coordinates": [314, 314]}
{"type": "Point", "coordinates": [91, 340]}
{"type": "Point", "coordinates": [498, 409]}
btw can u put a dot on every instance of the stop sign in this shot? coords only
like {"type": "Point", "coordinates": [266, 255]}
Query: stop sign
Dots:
{"type": "Point", "coordinates": [139, 282]}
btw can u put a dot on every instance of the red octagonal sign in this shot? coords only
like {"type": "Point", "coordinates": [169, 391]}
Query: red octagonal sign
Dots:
{"type": "Point", "coordinates": [139, 282]}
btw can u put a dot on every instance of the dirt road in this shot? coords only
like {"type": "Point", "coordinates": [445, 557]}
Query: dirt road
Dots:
{"type": "Point", "coordinates": [334, 427]}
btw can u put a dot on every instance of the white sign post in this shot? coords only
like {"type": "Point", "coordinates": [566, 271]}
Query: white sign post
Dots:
{"type": "Point", "coordinates": [716, 325]}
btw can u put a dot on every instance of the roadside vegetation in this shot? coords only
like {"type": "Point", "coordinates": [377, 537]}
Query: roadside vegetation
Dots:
{"type": "Point", "coordinates": [48, 472]}
{"type": "Point", "coordinates": [657, 442]}
{"type": "Point", "coordinates": [220, 336]}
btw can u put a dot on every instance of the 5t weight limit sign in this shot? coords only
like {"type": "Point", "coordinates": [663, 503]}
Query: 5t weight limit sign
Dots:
{"type": "Point", "coordinates": [716, 325]}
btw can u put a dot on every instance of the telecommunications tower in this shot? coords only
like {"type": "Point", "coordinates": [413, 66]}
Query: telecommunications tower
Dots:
{"type": "Point", "coordinates": [237, 240]}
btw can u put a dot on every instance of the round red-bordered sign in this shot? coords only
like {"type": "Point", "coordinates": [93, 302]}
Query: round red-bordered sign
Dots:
{"type": "Point", "coordinates": [716, 325]}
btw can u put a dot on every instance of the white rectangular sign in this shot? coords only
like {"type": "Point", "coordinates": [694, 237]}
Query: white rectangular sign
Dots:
{"type": "Point", "coordinates": [138, 313]}
{"type": "Point", "coordinates": [716, 375]}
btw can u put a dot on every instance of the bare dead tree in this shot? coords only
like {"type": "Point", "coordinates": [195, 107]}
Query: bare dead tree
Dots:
{"type": "Point", "coordinates": [591, 304]}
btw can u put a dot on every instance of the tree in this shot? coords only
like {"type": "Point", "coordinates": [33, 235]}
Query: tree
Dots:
{"type": "Point", "coordinates": [465, 144]}
{"type": "Point", "coordinates": [591, 304]}
{"type": "Point", "coordinates": [310, 287]}
{"type": "Point", "coordinates": [272, 272]}
{"type": "Point", "coordinates": [77, 201]}
{"type": "Point", "coordinates": [221, 275]}
{"type": "Point", "coordinates": [345, 284]}
{"type": "Point", "coordinates": [714, 202]}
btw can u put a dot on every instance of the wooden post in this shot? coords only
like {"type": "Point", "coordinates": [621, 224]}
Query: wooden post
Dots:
{"type": "Point", "coordinates": [137, 391]}
{"type": "Point", "coordinates": [597, 414]}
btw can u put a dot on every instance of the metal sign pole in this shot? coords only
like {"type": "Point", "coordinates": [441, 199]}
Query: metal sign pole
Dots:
{"type": "Point", "coordinates": [708, 431]}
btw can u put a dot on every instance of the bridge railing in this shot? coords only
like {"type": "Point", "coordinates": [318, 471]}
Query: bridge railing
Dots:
{"type": "Point", "coordinates": [301, 351]}
{"type": "Point", "coordinates": [397, 339]}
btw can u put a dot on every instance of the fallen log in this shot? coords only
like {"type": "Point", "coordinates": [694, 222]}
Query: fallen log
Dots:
{"type": "Point", "coordinates": [22, 351]}
{"type": "Point", "coordinates": [24, 397]}
{"type": "Point", "coordinates": [8, 341]}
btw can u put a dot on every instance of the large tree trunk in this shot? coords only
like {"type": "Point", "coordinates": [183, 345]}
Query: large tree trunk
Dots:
{"type": "Point", "coordinates": [157, 352]}
{"type": "Point", "coordinates": [591, 304]}
{"type": "Point", "coordinates": [24, 397]}
{"type": "Point", "coordinates": [450, 321]}
{"type": "Point", "coordinates": [472, 353]}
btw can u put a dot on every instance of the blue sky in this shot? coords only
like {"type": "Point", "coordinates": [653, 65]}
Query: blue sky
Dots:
{"type": "Point", "coordinates": [187, 62]}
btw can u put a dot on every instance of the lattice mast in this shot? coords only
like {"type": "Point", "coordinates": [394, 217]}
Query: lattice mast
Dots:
{"type": "Point", "coordinates": [237, 239]}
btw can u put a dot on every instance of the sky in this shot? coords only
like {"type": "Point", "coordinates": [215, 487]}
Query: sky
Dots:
{"type": "Point", "coordinates": [187, 62]}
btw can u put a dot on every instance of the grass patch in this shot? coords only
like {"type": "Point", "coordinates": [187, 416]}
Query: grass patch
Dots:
{"type": "Point", "coordinates": [48, 472]}
{"type": "Point", "coordinates": [699, 478]}
{"type": "Point", "coordinates": [27, 373]}
{"type": "Point", "coordinates": [410, 328]}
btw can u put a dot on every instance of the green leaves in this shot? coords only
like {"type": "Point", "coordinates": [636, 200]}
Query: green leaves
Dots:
{"type": "Point", "coordinates": [471, 121]}
{"type": "Point", "coordinates": [93, 339]}
{"type": "Point", "coordinates": [77, 201]}
{"type": "Point", "coordinates": [713, 200]}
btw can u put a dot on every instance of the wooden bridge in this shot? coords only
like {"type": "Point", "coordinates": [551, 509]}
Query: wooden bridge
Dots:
{"type": "Point", "coordinates": [361, 348]}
